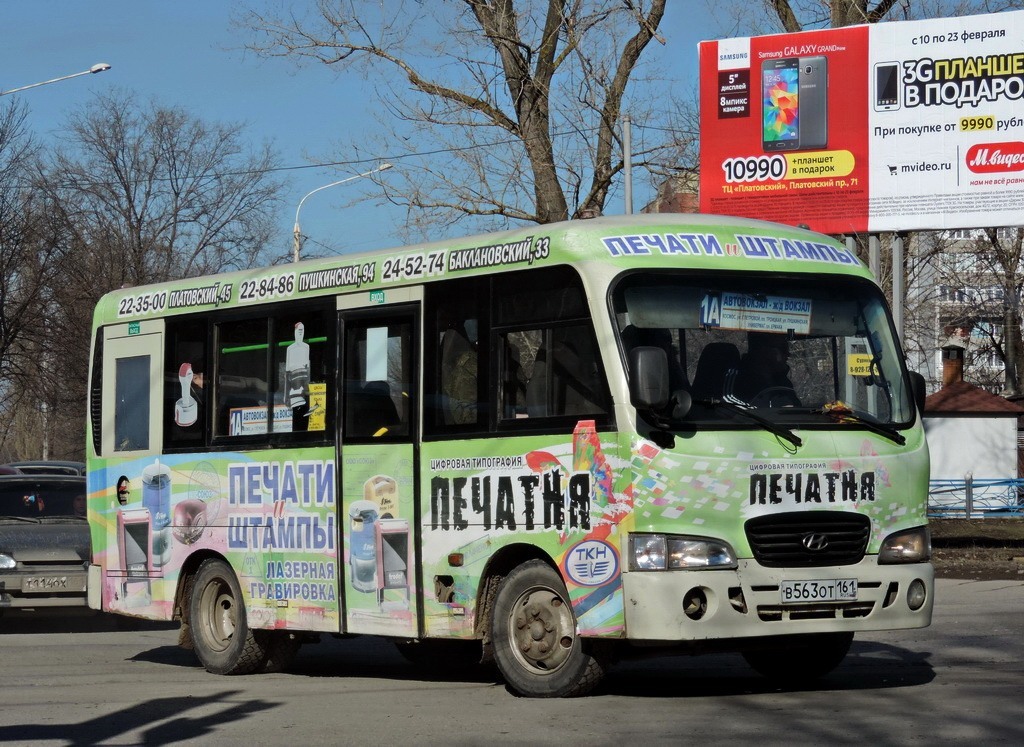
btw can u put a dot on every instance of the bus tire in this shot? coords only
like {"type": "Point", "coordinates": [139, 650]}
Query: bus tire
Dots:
{"type": "Point", "coordinates": [533, 632]}
{"type": "Point", "coordinates": [799, 660]}
{"type": "Point", "coordinates": [220, 634]}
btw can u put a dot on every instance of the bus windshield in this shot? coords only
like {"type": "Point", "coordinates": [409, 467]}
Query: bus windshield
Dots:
{"type": "Point", "coordinates": [796, 350]}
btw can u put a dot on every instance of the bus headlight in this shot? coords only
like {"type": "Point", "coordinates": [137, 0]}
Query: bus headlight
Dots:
{"type": "Point", "coordinates": [660, 552]}
{"type": "Point", "coordinates": [7, 563]}
{"type": "Point", "coordinates": [908, 546]}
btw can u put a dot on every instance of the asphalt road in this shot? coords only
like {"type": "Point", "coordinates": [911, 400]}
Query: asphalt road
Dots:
{"type": "Point", "coordinates": [959, 681]}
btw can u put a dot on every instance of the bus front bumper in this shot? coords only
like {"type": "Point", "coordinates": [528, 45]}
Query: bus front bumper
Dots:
{"type": "Point", "coordinates": [699, 605]}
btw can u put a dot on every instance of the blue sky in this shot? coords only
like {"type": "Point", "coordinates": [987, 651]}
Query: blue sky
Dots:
{"type": "Point", "coordinates": [187, 54]}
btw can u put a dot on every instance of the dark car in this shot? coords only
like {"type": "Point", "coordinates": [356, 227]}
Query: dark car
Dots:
{"type": "Point", "coordinates": [44, 541]}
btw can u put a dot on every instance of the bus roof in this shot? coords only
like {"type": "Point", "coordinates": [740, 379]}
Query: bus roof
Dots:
{"type": "Point", "coordinates": [649, 240]}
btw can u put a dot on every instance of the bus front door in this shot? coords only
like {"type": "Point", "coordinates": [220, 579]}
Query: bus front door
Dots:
{"type": "Point", "coordinates": [379, 387]}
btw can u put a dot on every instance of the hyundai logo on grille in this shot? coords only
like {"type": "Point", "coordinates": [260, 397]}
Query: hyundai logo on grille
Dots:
{"type": "Point", "coordinates": [814, 542]}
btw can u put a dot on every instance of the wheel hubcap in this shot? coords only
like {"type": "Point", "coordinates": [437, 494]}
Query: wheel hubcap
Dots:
{"type": "Point", "coordinates": [220, 615]}
{"type": "Point", "coordinates": [542, 631]}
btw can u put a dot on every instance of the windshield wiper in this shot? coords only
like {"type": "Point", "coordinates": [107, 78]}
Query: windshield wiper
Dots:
{"type": "Point", "coordinates": [29, 519]}
{"type": "Point", "coordinates": [769, 425]}
{"type": "Point", "coordinates": [849, 416]}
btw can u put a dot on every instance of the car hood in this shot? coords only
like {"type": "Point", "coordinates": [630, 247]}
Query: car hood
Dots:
{"type": "Point", "coordinates": [53, 542]}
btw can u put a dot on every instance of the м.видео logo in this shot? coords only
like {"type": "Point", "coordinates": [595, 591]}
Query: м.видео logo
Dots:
{"type": "Point", "coordinates": [986, 158]}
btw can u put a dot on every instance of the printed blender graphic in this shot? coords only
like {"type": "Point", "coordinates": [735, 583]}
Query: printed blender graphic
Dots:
{"type": "Point", "coordinates": [186, 409]}
{"type": "Point", "coordinates": [380, 549]}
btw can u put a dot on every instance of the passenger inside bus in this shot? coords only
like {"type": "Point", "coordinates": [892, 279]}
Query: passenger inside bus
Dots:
{"type": "Point", "coordinates": [458, 376]}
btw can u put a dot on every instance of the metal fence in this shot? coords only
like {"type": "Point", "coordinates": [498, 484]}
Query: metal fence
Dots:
{"type": "Point", "coordinates": [976, 498]}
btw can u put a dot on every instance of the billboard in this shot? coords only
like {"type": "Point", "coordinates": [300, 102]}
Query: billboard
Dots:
{"type": "Point", "coordinates": [888, 127]}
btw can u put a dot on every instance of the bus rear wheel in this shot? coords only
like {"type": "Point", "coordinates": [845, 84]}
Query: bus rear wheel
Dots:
{"type": "Point", "coordinates": [220, 634]}
{"type": "Point", "coordinates": [533, 632]}
{"type": "Point", "coordinates": [799, 660]}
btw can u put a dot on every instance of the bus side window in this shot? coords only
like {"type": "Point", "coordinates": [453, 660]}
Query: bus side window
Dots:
{"type": "Point", "coordinates": [459, 380]}
{"type": "Point", "coordinates": [566, 377]}
{"type": "Point", "coordinates": [241, 391]}
{"type": "Point", "coordinates": [131, 403]}
{"type": "Point", "coordinates": [457, 360]}
{"type": "Point", "coordinates": [379, 377]}
{"type": "Point", "coordinates": [184, 383]}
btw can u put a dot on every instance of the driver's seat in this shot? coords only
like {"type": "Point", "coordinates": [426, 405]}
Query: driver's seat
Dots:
{"type": "Point", "coordinates": [716, 370]}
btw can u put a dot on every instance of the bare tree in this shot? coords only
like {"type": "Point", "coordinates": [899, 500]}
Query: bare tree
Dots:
{"type": "Point", "coordinates": [135, 195]}
{"type": "Point", "coordinates": [519, 104]}
{"type": "Point", "coordinates": [25, 273]}
{"type": "Point", "coordinates": [801, 15]}
{"type": "Point", "coordinates": [972, 298]}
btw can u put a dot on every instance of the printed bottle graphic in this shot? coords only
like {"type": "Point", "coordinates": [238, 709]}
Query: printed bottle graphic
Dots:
{"type": "Point", "coordinates": [363, 545]}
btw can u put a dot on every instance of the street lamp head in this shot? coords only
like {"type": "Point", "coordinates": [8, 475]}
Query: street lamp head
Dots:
{"type": "Point", "coordinates": [99, 67]}
{"type": "Point", "coordinates": [296, 231]}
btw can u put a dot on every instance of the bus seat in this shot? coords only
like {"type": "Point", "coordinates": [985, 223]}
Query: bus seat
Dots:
{"type": "Point", "coordinates": [369, 408]}
{"type": "Point", "coordinates": [716, 368]}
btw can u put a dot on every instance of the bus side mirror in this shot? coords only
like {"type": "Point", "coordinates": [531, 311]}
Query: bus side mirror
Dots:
{"type": "Point", "coordinates": [918, 390]}
{"type": "Point", "coordinates": [648, 378]}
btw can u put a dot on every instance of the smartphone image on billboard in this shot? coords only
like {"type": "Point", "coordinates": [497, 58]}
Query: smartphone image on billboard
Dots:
{"type": "Point", "coordinates": [813, 87]}
{"type": "Point", "coordinates": [780, 104]}
{"type": "Point", "coordinates": [887, 86]}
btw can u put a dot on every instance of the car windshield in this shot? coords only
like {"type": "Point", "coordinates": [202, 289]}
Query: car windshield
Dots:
{"type": "Point", "coordinates": [35, 498]}
{"type": "Point", "coordinates": [796, 350]}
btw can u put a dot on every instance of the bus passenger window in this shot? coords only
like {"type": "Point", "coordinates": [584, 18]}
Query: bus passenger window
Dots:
{"type": "Point", "coordinates": [302, 370]}
{"type": "Point", "coordinates": [131, 404]}
{"type": "Point", "coordinates": [459, 372]}
{"type": "Point", "coordinates": [565, 378]}
{"type": "Point", "coordinates": [184, 383]}
{"type": "Point", "coordinates": [241, 392]}
{"type": "Point", "coordinates": [378, 380]}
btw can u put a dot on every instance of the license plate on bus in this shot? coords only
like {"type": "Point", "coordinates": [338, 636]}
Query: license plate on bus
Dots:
{"type": "Point", "coordinates": [825, 590]}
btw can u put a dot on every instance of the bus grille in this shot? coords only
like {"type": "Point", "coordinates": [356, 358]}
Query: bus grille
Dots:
{"type": "Point", "coordinates": [806, 540]}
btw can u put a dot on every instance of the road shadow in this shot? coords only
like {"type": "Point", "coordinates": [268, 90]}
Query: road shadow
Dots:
{"type": "Point", "coordinates": [868, 666]}
{"type": "Point", "coordinates": [159, 721]}
{"type": "Point", "coordinates": [73, 620]}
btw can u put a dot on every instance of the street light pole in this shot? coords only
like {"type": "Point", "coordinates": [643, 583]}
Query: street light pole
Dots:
{"type": "Point", "coordinates": [99, 67]}
{"type": "Point", "coordinates": [297, 233]}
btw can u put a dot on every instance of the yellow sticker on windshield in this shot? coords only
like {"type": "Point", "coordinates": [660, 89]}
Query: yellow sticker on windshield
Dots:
{"type": "Point", "coordinates": [859, 364]}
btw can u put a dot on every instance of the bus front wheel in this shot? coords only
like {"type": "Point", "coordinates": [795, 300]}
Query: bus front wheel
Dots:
{"type": "Point", "coordinates": [220, 635]}
{"type": "Point", "coordinates": [800, 660]}
{"type": "Point", "coordinates": [533, 632]}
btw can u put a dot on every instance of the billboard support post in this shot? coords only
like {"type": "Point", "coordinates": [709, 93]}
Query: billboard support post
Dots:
{"type": "Point", "coordinates": [897, 283]}
{"type": "Point", "coordinates": [875, 257]}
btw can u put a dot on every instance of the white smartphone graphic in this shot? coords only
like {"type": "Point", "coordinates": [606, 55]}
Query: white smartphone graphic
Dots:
{"type": "Point", "coordinates": [887, 86]}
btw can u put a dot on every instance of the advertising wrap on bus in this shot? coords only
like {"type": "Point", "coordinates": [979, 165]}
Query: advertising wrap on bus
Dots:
{"type": "Point", "coordinates": [543, 448]}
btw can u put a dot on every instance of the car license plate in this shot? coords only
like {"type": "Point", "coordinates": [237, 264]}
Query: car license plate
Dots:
{"type": "Point", "coordinates": [47, 583]}
{"type": "Point", "coordinates": [825, 590]}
